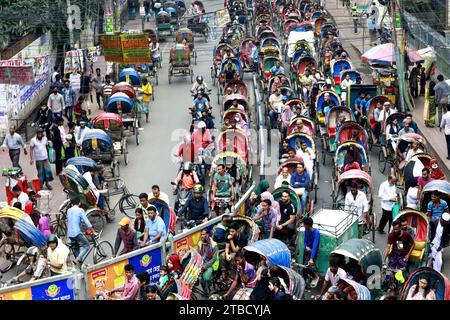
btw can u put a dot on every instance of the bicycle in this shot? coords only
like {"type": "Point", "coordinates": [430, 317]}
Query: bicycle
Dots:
{"type": "Point", "coordinates": [9, 253]}
{"type": "Point", "coordinates": [102, 249]}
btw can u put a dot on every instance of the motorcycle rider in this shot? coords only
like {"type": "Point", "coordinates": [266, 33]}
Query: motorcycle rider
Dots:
{"type": "Point", "coordinates": [200, 103]}
{"type": "Point", "coordinates": [196, 206]}
{"type": "Point", "coordinates": [208, 120]}
{"type": "Point", "coordinates": [188, 178]}
{"type": "Point", "coordinates": [37, 266]}
{"type": "Point", "coordinates": [199, 84]}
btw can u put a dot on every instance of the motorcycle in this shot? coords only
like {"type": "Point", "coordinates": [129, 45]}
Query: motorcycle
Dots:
{"type": "Point", "coordinates": [181, 196]}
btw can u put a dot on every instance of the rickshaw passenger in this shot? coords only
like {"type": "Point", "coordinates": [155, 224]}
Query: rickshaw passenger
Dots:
{"type": "Point", "coordinates": [284, 149]}
{"type": "Point", "coordinates": [412, 197]}
{"type": "Point", "coordinates": [354, 272]}
{"type": "Point", "coordinates": [413, 150]}
{"type": "Point", "coordinates": [207, 248]}
{"type": "Point", "coordinates": [230, 72]}
{"type": "Point", "coordinates": [311, 249]}
{"type": "Point", "coordinates": [284, 176]}
{"type": "Point", "coordinates": [327, 104]}
{"type": "Point", "coordinates": [236, 105]}
{"type": "Point", "coordinates": [392, 131]}
{"type": "Point", "coordinates": [379, 120]}
{"type": "Point", "coordinates": [268, 217]}
{"type": "Point", "coordinates": [339, 121]}
{"type": "Point", "coordinates": [400, 244]}
{"type": "Point", "coordinates": [155, 228]}
{"type": "Point", "coordinates": [356, 202]}
{"type": "Point", "coordinates": [352, 164]}
{"type": "Point", "coordinates": [355, 137]}
{"type": "Point", "coordinates": [440, 237]}
{"type": "Point", "coordinates": [308, 156]}
{"type": "Point", "coordinates": [332, 276]}
{"type": "Point", "coordinates": [286, 226]}
{"type": "Point", "coordinates": [300, 181]}
{"type": "Point", "coordinates": [406, 128]}
{"type": "Point", "coordinates": [277, 68]}
{"type": "Point", "coordinates": [157, 194]}
{"type": "Point", "coordinates": [276, 289]}
{"type": "Point", "coordinates": [245, 274]}
{"type": "Point", "coordinates": [88, 176]}
{"type": "Point", "coordinates": [436, 207]}
{"type": "Point", "coordinates": [421, 290]}
{"type": "Point", "coordinates": [274, 100]}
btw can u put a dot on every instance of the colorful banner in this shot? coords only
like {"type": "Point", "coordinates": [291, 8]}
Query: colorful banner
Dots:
{"type": "Point", "coordinates": [222, 17]}
{"type": "Point", "coordinates": [55, 290]}
{"type": "Point", "coordinates": [126, 48]}
{"type": "Point", "coordinates": [17, 75]}
{"type": "Point", "coordinates": [74, 60]}
{"type": "Point", "coordinates": [109, 25]}
{"type": "Point", "coordinates": [150, 262]}
{"type": "Point", "coordinates": [184, 244]}
{"type": "Point", "coordinates": [107, 278]}
{"type": "Point", "coordinates": [58, 290]}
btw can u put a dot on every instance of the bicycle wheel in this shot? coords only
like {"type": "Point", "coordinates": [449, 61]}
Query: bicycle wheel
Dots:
{"type": "Point", "coordinates": [381, 161]}
{"type": "Point", "coordinates": [7, 253]}
{"type": "Point", "coordinates": [22, 264]}
{"type": "Point", "coordinates": [97, 220]}
{"type": "Point", "coordinates": [128, 204]}
{"type": "Point", "coordinates": [59, 227]}
{"type": "Point", "coordinates": [104, 250]}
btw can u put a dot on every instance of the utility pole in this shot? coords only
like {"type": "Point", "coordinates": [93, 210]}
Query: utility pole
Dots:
{"type": "Point", "coordinates": [399, 38]}
{"type": "Point", "coordinates": [117, 21]}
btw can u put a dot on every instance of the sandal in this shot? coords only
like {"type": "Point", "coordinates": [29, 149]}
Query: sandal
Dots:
{"type": "Point", "coordinates": [314, 282]}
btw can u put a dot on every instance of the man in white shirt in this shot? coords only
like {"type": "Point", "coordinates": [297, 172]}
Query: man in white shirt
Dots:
{"type": "Point", "coordinates": [332, 276]}
{"type": "Point", "coordinates": [308, 156]}
{"type": "Point", "coordinates": [284, 176]}
{"type": "Point", "coordinates": [440, 232]}
{"type": "Point", "coordinates": [388, 197]}
{"type": "Point", "coordinates": [88, 176]}
{"type": "Point", "coordinates": [55, 72]}
{"type": "Point", "coordinates": [412, 198]}
{"type": "Point", "coordinates": [19, 196]}
{"type": "Point", "coordinates": [274, 100]}
{"type": "Point", "coordinates": [345, 84]}
{"type": "Point", "coordinates": [356, 202]}
{"type": "Point", "coordinates": [80, 132]}
{"type": "Point", "coordinates": [445, 124]}
{"type": "Point", "coordinates": [413, 151]}
{"type": "Point", "coordinates": [75, 83]}
{"type": "Point", "coordinates": [56, 103]}
{"type": "Point", "coordinates": [38, 153]}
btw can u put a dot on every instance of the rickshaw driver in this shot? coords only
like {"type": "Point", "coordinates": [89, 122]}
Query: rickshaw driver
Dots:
{"type": "Point", "coordinates": [300, 181]}
{"type": "Point", "coordinates": [400, 244]}
{"type": "Point", "coordinates": [222, 184]}
{"type": "Point", "coordinates": [356, 200]}
{"type": "Point", "coordinates": [236, 105]}
{"type": "Point", "coordinates": [277, 68]}
{"type": "Point", "coordinates": [230, 72]}
{"type": "Point", "coordinates": [245, 274]}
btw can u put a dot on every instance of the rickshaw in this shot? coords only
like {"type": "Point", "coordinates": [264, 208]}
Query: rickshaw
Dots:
{"type": "Point", "coordinates": [422, 244]}
{"type": "Point", "coordinates": [170, 7]}
{"type": "Point", "coordinates": [277, 81]}
{"type": "Point", "coordinates": [363, 255]}
{"type": "Point", "coordinates": [336, 68]}
{"type": "Point", "coordinates": [387, 153]}
{"type": "Point", "coordinates": [318, 23]}
{"type": "Point", "coordinates": [341, 187]}
{"type": "Point", "coordinates": [416, 164]}
{"type": "Point", "coordinates": [131, 76]}
{"type": "Point", "coordinates": [294, 199]}
{"type": "Point", "coordinates": [356, 290]}
{"type": "Point", "coordinates": [98, 146]}
{"type": "Point", "coordinates": [180, 62]}
{"type": "Point", "coordinates": [348, 129]}
{"type": "Point", "coordinates": [309, 124]}
{"type": "Point", "coordinates": [222, 81]}
{"type": "Point", "coordinates": [346, 150]}
{"type": "Point", "coordinates": [234, 140]}
{"type": "Point", "coordinates": [273, 251]}
{"type": "Point", "coordinates": [267, 34]}
{"type": "Point", "coordinates": [83, 164]}
{"type": "Point", "coordinates": [328, 132]}
{"type": "Point", "coordinates": [198, 27]}
{"type": "Point", "coordinates": [403, 145]}
{"type": "Point", "coordinates": [438, 282]}
{"type": "Point", "coordinates": [112, 124]}
{"type": "Point", "coordinates": [354, 74]}
{"type": "Point", "coordinates": [319, 110]}
{"type": "Point", "coordinates": [299, 40]}
{"type": "Point", "coordinates": [236, 87]}
{"type": "Point", "coordinates": [232, 114]}
{"type": "Point", "coordinates": [186, 35]}
{"type": "Point", "coordinates": [293, 280]}
{"type": "Point", "coordinates": [335, 227]}
{"type": "Point", "coordinates": [246, 51]}
{"type": "Point", "coordinates": [218, 54]}
{"type": "Point", "coordinates": [124, 87]}
{"type": "Point", "coordinates": [441, 186]}
{"type": "Point", "coordinates": [163, 26]}
{"type": "Point", "coordinates": [242, 100]}
{"type": "Point", "coordinates": [119, 103]}
{"type": "Point", "coordinates": [265, 65]}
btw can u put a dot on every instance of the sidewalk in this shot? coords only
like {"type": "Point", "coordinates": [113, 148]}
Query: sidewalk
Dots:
{"type": "Point", "coordinates": [355, 45]}
{"type": "Point", "coordinates": [29, 169]}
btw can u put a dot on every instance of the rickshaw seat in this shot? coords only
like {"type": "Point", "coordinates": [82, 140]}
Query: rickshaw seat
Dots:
{"type": "Point", "coordinates": [332, 132]}
{"type": "Point", "coordinates": [418, 251]}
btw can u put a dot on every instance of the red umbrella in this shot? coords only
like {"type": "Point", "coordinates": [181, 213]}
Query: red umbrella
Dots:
{"type": "Point", "coordinates": [384, 54]}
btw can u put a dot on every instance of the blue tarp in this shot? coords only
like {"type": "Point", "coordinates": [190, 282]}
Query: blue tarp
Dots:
{"type": "Point", "coordinates": [276, 252]}
{"type": "Point", "coordinates": [83, 164]}
{"type": "Point", "coordinates": [99, 135]}
{"type": "Point", "coordinates": [30, 233]}
{"type": "Point", "coordinates": [133, 75]}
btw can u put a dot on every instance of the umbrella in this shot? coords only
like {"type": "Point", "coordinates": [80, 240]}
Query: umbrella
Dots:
{"type": "Point", "coordinates": [384, 54]}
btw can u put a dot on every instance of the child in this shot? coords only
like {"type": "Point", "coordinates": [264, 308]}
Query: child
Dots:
{"type": "Point", "coordinates": [44, 225]}
{"type": "Point", "coordinates": [163, 276]}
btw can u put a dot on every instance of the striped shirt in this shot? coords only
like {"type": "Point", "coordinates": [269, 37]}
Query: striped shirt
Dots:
{"type": "Point", "coordinates": [107, 89]}
{"type": "Point", "coordinates": [13, 142]}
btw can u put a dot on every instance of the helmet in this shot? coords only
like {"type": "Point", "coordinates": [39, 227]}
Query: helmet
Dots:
{"type": "Point", "coordinates": [32, 251]}
{"type": "Point", "coordinates": [198, 188]}
{"type": "Point", "coordinates": [52, 239]}
{"type": "Point", "coordinates": [199, 78]}
{"type": "Point", "coordinates": [201, 125]}
{"type": "Point", "coordinates": [187, 166]}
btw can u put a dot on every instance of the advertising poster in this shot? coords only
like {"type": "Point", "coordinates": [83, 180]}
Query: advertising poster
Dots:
{"type": "Point", "coordinates": [107, 278]}
{"type": "Point", "coordinates": [126, 48]}
{"type": "Point", "coordinates": [150, 262]}
{"type": "Point", "coordinates": [17, 75]}
{"type": "Point", "coordinates": [183, 245]}
{"type": "Point", "coordinates": [22, 294]}
{"type": "Point", "coordinates": [57, 290]}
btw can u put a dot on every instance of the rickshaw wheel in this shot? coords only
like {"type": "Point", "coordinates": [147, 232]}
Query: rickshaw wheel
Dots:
{"type": "Point", "coordinates": [125, 158]}
{"type": "Point", "coordinates": [191, 71]}
{"type": "Point", "coordinates": [97, 220]}
{"type": "Point", "coordinates": [381, 162]}
{"type": "Point", "coordinates": [115, 169]}
{"type": "Point", "coordinates": [127, 205]}
{"type": "Point", "coordinates": [138, 139]}
{"type": "Point", "coordinates": [103, 251]}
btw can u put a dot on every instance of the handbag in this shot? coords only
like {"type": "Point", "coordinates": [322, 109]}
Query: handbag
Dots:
{"type": "Point", "coordinates": [51, 155]}
{"type": "Point", "coordinates": [395, 210]}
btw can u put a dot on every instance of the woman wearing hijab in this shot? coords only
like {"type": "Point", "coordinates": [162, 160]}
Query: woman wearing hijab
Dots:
{"type": "Point", "coordinates": [261, 187]}
{"type": "Point", "coordinates": [261, 291]}
{"type": "Point", "coordinates": [174, 266]}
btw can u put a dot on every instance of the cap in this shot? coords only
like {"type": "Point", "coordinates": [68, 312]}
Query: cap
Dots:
{"type": "Point", "coordinates": [125, 221]}
{"type": "Point", "coordinates": [446, 216]}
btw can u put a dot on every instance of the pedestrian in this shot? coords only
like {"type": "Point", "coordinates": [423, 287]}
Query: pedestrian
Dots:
{"type": "Point", "coordinates": [69, 100]}
{"type": "Point", "coordinates": [445, 124]}
{"type": "Point", "coordinates": [56, 103]}
{"type": "Point", "coordinates": [441, 92]}
{"type": "Point", "coordinates": [413, 80]}
{"type": "Point", "coordinates": [355, 18]}
{"type": "Point", "coordinates": [422, 81]}
{"type": "Point", "coordinates": [311, 249]}
{"type": "Point", "coordinates": [147, 91]}
{"type": "Point", "coordinates": [58, 144]}
{"type": "Point", "coordinates": [85, 88]}
{"type": "Point", "coordinates": [55, 73]}
{"type": "Point", "coordinates": [388, 197]}
{"type": "Point", "coordinates": [44, 119]}
{"type": "Point", "coordinates": [38, 153]}
{"type": "Point", "coordinates": [75, 216]}
{"type": "Point", "coordinates": [107, 91]}
{"type": "Point", "coordinates": [97, 82]}
{"type": "Point", "coordinates": [13, 141]}
{"type": "Point", "coordinates": [58, 84]}
{"type": "Point", "coordinates": [126, 235]}
{"type": "Point", "coordinates": [80, 132]}
{"type": "Point", "coordinates": [440, 237]}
